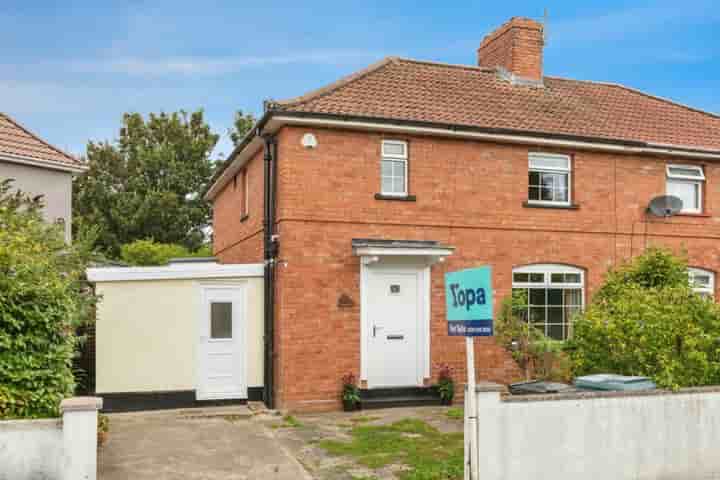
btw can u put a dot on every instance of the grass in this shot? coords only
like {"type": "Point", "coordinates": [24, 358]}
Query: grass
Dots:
{"type": "Point", "coordinates": [455, 413]}
{"type": "Point", "coordinates": [427, 453]}
{"type": "Point", "coordinates": [363, 419]}
{"type": "Point", "coordinates": [288, 422]}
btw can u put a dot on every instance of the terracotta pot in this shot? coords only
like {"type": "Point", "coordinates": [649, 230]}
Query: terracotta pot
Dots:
{"type": "Point", "coordinates": [102, 438]}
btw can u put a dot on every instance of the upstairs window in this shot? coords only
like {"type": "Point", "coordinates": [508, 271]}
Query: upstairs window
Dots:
{"type": "Point", "coordinates": [554, 295]}
{"type": "Point", "coordinates": [686, 183]}
{"type": "Point", "coordinates": [393, 168]}
{"type": "Point", "coordinates": [549, 179]}
{"type": "Point", "coordinates": [702, 282]}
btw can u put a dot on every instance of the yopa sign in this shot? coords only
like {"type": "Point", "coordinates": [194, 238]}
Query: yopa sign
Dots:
{"type": "Point", "coordinates": [468, 296]}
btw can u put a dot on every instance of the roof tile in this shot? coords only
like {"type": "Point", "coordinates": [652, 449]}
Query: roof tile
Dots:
{"type": "Point", "coordinates": [412, 90]}
{"type": "Point", "coordinates": [17, 141]}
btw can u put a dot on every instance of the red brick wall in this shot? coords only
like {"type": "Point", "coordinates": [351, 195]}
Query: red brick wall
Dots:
{"type": "Point", "coordinates": [470, 195]}
{"type": "Point", "coordinates": [517, 45]}
{"type": "Point", "coordinates": [238, 240]}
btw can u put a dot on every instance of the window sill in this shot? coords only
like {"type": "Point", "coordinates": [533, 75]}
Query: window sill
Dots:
{"type": "Point", "coordinates": [688, 214]}
{"type": "Point", "coordinates": [573, 206]}
{"type": "Point", "coordinates": [404, 198]}
{"type": "Point", "coordinates": [244, 218]}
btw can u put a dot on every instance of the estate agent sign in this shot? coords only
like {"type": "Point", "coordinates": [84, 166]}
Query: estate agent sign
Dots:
{"type": "Point", "coordinates": [468, 296]}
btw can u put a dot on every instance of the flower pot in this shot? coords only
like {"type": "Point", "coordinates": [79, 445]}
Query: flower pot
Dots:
{"type": "Point", "coordinates": [350, 406]}
{"type": "Point", "coordinates": [446, 401]}
{"type": "Point", "coordinates": [101, 438]}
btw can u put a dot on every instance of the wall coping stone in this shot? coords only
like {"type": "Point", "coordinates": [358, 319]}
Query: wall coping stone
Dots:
{"type": "Point", "coordinates": [590, 395]}
{"type": "Point", "coordinates": [81, 404]}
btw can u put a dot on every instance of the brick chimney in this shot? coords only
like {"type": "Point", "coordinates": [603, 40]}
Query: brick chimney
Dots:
{"type": "Point", "coordinates": [517, 46]}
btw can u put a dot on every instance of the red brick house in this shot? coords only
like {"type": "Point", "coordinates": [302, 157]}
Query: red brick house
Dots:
{"type": "Point", "coordinates": [361, 195]}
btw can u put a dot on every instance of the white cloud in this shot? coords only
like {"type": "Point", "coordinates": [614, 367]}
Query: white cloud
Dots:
{"type": "Point", "coordinates": [209, 65]}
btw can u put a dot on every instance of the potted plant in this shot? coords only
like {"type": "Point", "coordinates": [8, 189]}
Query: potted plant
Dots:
{"type": "Point", "coordinates": [446, 385]}
{"type": "Point", "coordinates": [350, 393]}
{"type": "Point", "coordinates": [103, 429]}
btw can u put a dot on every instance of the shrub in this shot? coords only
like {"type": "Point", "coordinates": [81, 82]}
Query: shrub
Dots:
{"type": "Point", "coordinates": [42, 301]}
{"type": "Point", "coordinates": [537, 355]}
{"type": "Point", "coordinates": [148, 252]}
{"type": "Point", "coordinates": [646, 320]}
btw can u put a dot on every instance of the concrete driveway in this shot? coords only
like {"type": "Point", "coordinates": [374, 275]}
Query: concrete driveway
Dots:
{"type": "Point", "coordinates": [224, 443]}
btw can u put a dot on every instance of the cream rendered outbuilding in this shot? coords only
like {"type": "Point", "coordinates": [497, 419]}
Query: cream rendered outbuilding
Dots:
{"type": "Point", "coordinates": [176, 335]}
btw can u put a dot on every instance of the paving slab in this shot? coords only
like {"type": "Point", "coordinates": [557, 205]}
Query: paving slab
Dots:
{"type": "Point", "coordinates": [208, 444]}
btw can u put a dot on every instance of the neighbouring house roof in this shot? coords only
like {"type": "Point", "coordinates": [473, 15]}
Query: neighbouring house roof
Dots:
{"type": "Point", "coordinates": [18, 144]}
{"type": "Point", "coordinates": [411, 90]}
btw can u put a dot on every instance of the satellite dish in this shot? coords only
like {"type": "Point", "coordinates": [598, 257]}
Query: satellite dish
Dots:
{"type": "Point", "coordinates": [665, 206]}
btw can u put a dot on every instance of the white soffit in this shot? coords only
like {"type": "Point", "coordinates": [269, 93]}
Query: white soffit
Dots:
{"type": "Point", "coordinates": [175, 272]}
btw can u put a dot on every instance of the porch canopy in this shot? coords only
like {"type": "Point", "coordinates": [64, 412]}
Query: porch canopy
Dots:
{"type": "Point", "coordinates": [372, 251]}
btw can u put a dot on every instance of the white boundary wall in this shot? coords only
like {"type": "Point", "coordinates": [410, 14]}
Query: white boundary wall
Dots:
{"type": "Point", "coordinates": [52, 449]}
{"type": "Point", "coordinates": [608, 435]}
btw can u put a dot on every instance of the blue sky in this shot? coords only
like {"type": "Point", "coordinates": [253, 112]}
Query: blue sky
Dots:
{"type": "Point", "coordinates": [68, 70]}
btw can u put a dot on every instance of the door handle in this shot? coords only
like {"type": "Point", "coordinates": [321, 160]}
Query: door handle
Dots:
{"type": "Point", "coordinates": [375, 329]}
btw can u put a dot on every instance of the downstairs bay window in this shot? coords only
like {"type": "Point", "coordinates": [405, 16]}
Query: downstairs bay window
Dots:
{"type": "Point", "coordinates": [555, 294]}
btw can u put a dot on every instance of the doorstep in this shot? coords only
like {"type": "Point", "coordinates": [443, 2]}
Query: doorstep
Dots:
{"type": "Point", "coordinates": [372, 398]}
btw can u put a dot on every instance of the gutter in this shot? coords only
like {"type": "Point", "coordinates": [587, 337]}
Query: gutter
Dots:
{"type": "Point", "coordinates": [273, 120]}
{"type": "Point", "coordinates": [43, 163]}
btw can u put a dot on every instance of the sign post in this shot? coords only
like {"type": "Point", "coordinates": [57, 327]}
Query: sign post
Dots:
{"type": "Point", "coordinates": [468, 299]}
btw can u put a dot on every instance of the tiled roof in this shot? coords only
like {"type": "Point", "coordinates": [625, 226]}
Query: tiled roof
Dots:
{"type": "Point", "coordinates": [411, 90]}
{"type": "Point", "coordinates": [18, 142]}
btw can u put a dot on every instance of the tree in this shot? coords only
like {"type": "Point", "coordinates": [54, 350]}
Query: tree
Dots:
{"type": "Point", "coordinates": [241, 126]}
{"type": "Point", "coordinates": [149, 183]}
{"type": "Point", "coordinates": [43, 299]}
{"type": "Point", "coordinates": [646, 320]}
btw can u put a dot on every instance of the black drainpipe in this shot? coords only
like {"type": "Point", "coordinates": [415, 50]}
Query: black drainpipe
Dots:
{"type": "Point", "coordinates": [270, 248]}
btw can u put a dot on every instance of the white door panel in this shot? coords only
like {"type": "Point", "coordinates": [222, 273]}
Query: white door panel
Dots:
{"type": "Point", "coordinates": [221, 349]}
{"type": "Point", "coordinates": [393, 303]}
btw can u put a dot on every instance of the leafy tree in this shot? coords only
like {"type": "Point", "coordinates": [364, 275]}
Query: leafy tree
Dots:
{"type": "Point", "coordinates": [646, 320]}
{"type": "Point", "coordinates": [241, 125]}
{"type": "Point", "coordinates": [149, 183]}
{"type": "Point", "coordinates": [148, 252]}
{"type": "Point", "coordinates": [42, 301]}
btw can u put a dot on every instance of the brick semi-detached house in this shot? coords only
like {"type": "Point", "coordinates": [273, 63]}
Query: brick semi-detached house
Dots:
{"type": "Point", "coordinates": [361, 195]}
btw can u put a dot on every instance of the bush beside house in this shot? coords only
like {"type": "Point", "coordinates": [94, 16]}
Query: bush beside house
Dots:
{"type": "Point", "coordinates": [42, 301]}
{"type": "Point", "coordinates": [646, 320]}
{"type": "Point", "coordinates": [149, 252]}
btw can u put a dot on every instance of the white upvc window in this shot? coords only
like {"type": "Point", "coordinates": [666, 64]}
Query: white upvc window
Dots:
{"type": "Point", "coordinates": [549, 177]}
{"type": "Point", "coordinates": [702, 281]}
{"type": "Point", "coordinates": [555, 294]}
{"type": "Point", "coordinates": [393, 168]}
{"type": "Point", "coordinates": [686, 182]}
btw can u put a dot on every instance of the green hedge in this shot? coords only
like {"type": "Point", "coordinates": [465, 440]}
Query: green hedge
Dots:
{"type": "Point", "coordinates": [42, 301]}
{"type": "Point", "coordinates": [646, 320]}
{"type": "Point", "coordinates": [149, 252]}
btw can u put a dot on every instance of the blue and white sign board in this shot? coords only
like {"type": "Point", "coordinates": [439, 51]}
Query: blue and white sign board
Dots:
{"type": "Point", "coordinates": [469, 300]}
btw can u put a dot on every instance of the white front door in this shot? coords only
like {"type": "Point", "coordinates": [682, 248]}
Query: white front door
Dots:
{"type": "Point", "coordinates": [221, 361]}
{"type": "Point", "coordinates": [393, 303]}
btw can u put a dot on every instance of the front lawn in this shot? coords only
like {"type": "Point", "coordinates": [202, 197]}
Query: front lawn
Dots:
{"type": "Point", "coordinates": [422, 451]}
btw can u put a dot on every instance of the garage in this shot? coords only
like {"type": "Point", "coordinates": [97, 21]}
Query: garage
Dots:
{"type": "Point", "coordinates": [186, 334]}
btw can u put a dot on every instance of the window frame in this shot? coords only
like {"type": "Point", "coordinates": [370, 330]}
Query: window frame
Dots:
{"type": "Point", "coordinates": [568, 171]}
{"type": "Point", "coordinates": [710, 289]}
{"type": "Point", "coordinates": [547, 270]}
{"type": "Point", "coordinates": [246, 193]}
{"type": "Point", "coordinates": [697, 181]}
{"type": "Point", "coordinates": [395, 158]}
